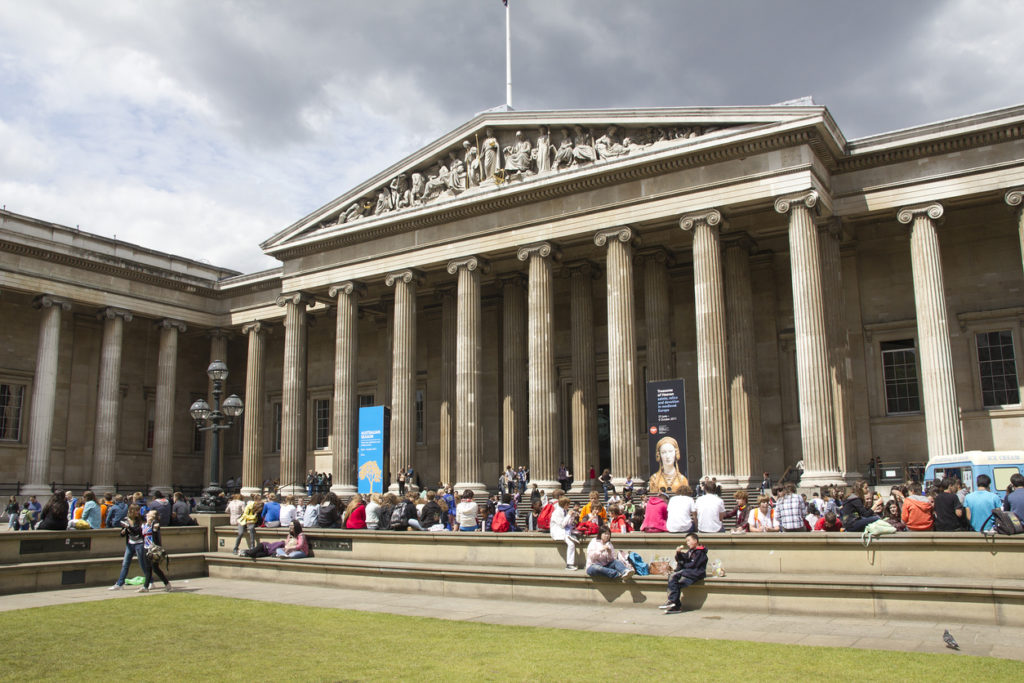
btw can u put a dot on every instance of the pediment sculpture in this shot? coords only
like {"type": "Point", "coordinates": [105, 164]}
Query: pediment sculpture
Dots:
{"type": "Point", "coordinates": [483, 164]}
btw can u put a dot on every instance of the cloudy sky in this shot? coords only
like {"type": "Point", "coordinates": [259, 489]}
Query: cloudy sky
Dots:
{"type": "Point", "coordinates": [168, 123]}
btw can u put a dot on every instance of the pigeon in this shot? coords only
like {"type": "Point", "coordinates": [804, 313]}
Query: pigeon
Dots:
{"type": "Point", "coordinates": [950, 640]}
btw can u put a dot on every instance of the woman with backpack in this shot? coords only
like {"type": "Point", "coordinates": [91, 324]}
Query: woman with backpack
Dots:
{"type": "Point", "coordinates": [155, 553]}
{"type": "Point", "coordinates": [134, 544]}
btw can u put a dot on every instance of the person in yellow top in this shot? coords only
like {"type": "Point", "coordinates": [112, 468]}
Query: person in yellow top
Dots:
{"type": "Point", "coordinates": [595, 506]}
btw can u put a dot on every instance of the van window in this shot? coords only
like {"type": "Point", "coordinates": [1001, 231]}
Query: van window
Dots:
{"type": "Point", "coordinates": [1001, 477]}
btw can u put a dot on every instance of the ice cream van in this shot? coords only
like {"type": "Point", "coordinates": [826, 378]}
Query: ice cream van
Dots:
{"type": "Point", "coordinates": [998, 465]}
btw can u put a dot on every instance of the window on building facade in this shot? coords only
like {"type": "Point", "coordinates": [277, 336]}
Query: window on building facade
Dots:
{"type": "Point", "coordinates": [365, 400]}
{"type": "Point", "coordinates": [421, 432]}
{"type": "Point", "coordinates": [321, 422]}
{"type": "Point", "coordinates": [12, 398]}
{"type": "Point", "coordinates": [998, 369]}
{"type": "Point", "coordinates": [899, 367]}
{"type": "Point", "coordinates": [275, 445]}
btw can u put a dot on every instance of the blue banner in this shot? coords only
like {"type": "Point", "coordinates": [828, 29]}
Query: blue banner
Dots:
{"type": "Point", "coordinates": [373, 438]}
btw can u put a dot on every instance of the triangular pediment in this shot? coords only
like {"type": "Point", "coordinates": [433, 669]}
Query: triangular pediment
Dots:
{"type": "Point", "coordinates": [497, 151]}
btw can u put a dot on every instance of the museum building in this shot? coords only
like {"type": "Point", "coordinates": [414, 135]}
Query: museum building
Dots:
{"type": "Point", "coordinates": [509, 290]}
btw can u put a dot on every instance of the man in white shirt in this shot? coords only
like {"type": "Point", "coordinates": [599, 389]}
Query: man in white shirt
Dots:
{"type": "Point", "coordinates": [680, 513]}
{"type": "Point", "coordinates": [710, 510]}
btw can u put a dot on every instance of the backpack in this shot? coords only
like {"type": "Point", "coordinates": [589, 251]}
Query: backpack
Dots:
{"type": "Point", "coordinates": [544, 518]}
{"type": "Point", "coordinates": [1004, 522]}
{"type": "Point", "coordinates": [638, 564]}
{"type": "Point", "coordinates": [398, 521]}
{"type": "Point", "coordinates": [25, 518]}
{"type": "Point", "coordinates": [876, 529]}
{"type": "Point", "coordinates": [500, 522]}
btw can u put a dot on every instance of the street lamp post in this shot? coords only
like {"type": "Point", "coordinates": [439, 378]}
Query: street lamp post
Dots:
{"type": "Point", "coordinates": [214, 421]}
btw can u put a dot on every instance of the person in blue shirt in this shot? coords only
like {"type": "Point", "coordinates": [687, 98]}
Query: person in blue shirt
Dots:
{"type": "Point", "coordinates": [91, 511]}
{"type": "Point", "coordinates": [981, 503]}
{"type": "Point", "coordinates": [271, 511]}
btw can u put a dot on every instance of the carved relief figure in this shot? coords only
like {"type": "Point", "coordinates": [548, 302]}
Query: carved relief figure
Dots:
{"type": "Point", "coordinates": [564, 156]}
{"type": "Point", "coordinates": [472, 161]}
{"type": "Point", "coordinates": [456, 173]}
{"type": "Point", "coordinates": [353, 212]}
{"type": "Point", "coordinates": [400, 192]}
{"type": "Point", "coordinates": [668, 476]}
{"type": "Point", "coordinates": [436, 184]}
{"type": "Point", "coordinates": [544, 152]}
{"type": "Point", "coordinates": [383, 202]}
{"type": "Point", "coordinates": [517, 157]}
{"type": "Point", "coordinates": [492, 155]}
{"type": "Point", "coordinates": [416, 191]}
{"type": "Point", "coordinates": [583, 145]}
{"type": "Point", "coordinates": [608, 146]}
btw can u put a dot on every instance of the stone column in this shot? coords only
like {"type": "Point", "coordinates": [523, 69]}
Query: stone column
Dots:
{"type": "Point", "coordinates": [657, 313]}
{"type": "Point", "coordinates": [108, 399]}
{"type": "Point", "coordinates": [293, 393]}
{"type": "Point", "coordinates": [384, 326]}
{"type": "Point", "coordinates": [218, 351]}
{"type": "Point", "coordinates": [252, 426]}
{"type": "Point", "coordinates": [162, 476]}
{"type": "Point", "coordinates": [712, 354]}
{"type": "Point", "coordinates": [941, 414]}
{"type": "Point", "coordinates": [468, 452]}
{"type": "Point", "coordinates": [515, 362]}
{"type": "Point", "coordinates": [839, 347]}
{"type": "Point", "coordinates": [622, 368]}
{"type": "Point", "coordinates": [743, 395]}
{"type": "Point", "coordinates": [403, 371]}
{"type": "Point", "coordinates": [544, 436]}
{"type": "Point", "coordinates": [44, 396]}
{"type": "Point", "coordinates": [344, 458]}
{"type": "Point", "coordinates": [817, 432]}
{"type": "Point", "coordinates": [584, 372]}
{"type": "Point", "coordinates": [446, 428]}
{"type": "Point", "coordinates": [1015, 197]}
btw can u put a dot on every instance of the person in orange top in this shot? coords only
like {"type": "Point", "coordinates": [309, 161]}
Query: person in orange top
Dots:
{"type": "Point", "coordinates": [106, 502]}
{"type": "Point", "coordinates": [595, 506]}
{"type": "Point", "coordinates": [918, 511]}
{"type": "Point", "coordinates": [620, 524]}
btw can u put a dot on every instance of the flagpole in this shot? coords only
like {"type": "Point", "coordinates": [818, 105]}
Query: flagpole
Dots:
{"type": "Point", "coordinates": [508, 58]}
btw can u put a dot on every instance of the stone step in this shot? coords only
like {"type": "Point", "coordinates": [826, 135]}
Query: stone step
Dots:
{"type": "Point", "coordinates": [998, 601]}
{"type": "Point", "coordinates": [26, 577]}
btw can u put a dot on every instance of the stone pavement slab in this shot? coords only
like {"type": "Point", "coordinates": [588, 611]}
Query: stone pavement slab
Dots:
{"type": "Point", "coordinates": [820, 629]}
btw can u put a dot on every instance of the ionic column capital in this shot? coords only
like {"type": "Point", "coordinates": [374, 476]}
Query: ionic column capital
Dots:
{"type": "Point", "coordinates": [111, 312]}
{"type": "Point", "coordinates": [832, 227]}
{"type": "Point", "coordinates": [655, 255]}
{"type": "Point", "coordinates": [171, 323]}
{"type": "Point", "coordinates": [542, 249]}
{"type": "Point", "coordinates": [622, 234]}
{"type": "Point", "coordinates": [1014, 197]}
{"type": "Point", "coordinates": [256, 327]}
{"type": "Point", "coordinates": [409, 276]}
{"type": "Point", "coordinates": [470, 263]}
{"type": "Point", "coordinates": [710, 217]}
{"type": "Point", "coordinates": [588, 268]}
{"type": "Point", "coordinates": [218, 333]}
{"type": "Point", "coordinates": [907, 214]}
{"type": "Point", "coordinates": [807, 199]}
{"type": "Point", "coordinates": [296, 298]}
{"type": "Point", "coordinates": [47, 301]}
{"type": "Point", "coordinates": [348, 288]}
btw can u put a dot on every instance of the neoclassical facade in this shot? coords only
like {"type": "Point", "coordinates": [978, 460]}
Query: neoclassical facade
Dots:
{"type": "Point", "coordinates": [509, 289]}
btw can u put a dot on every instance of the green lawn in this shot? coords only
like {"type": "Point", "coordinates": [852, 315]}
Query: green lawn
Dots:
{"type": "Point", "coordinates": [180, 636]}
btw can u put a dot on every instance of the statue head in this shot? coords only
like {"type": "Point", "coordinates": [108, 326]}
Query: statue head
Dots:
{"type": "Point", "coordinates": [667, 449]}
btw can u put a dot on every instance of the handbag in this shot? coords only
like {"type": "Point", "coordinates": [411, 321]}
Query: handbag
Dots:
{"type": "Point", "coordinates": [156, 554]}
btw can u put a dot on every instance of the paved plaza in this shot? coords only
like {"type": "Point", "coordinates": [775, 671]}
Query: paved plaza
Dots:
{"type": "Point", "coordinates": [833, 631]}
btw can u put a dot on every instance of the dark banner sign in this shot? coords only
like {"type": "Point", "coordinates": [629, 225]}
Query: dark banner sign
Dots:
{"type": "Point", "coordinates": [330, 543]}
{"type": "Point", "coordinates": [54, 545]}
{"type": "Point", "coordinates": [666, 434]}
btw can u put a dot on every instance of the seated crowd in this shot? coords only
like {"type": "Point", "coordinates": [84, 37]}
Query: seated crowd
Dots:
{"type": "Point", "coordinates": [64, 510]}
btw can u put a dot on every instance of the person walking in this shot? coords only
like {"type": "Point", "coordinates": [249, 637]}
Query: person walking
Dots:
{"type": "Point", "coordinates": [134, 544]}
{"type": "Point", "coordinates": [155, 553]}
